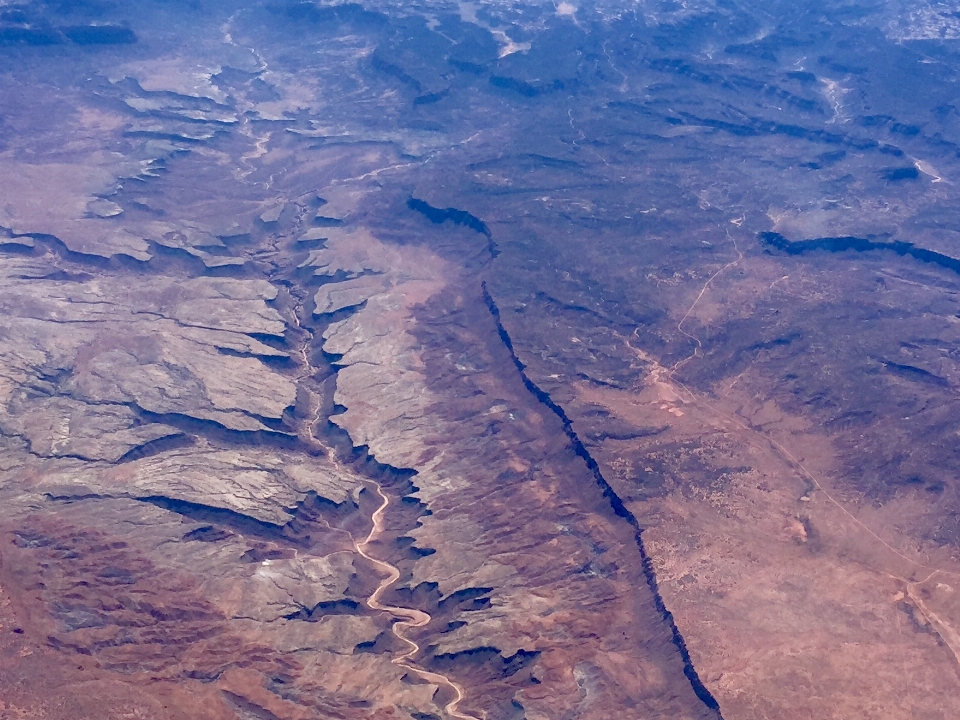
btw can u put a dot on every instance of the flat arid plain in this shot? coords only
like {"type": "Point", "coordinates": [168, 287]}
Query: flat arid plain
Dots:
{"type": "Point", "coordinates": [484, 360]}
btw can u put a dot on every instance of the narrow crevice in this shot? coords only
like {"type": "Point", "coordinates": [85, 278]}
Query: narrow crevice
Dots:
{"type": "Point", "coordinates": [616, 503]}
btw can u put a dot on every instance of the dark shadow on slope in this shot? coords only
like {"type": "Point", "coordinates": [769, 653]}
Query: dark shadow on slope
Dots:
{"type": "Point", "coordinates": [457, 217]}
{"type": "Point", "coordinates": [843, 244]}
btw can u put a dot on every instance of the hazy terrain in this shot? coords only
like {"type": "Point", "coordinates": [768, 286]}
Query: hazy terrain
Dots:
{"type": "Point", "coordinates": [481, 360]}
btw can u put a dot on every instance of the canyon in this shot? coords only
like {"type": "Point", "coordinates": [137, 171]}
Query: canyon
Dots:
{"type": "Point", "coordinates": [483, 360]}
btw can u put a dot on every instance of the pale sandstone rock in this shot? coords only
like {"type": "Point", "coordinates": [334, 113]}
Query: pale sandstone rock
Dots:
{"type": "Point", "coordinates": [296, 92]}
{"type": "Point", "coordinates": [22, 240]}
{"type": "Point", "coordinates": [53, 198]}
{"type": "Point", "coordinates": [379, 356]}
{"type": "Point", "coordinates": [272, 214]}
{"type": "Point", "coordinates": [228, 304]}
{"type": "Point", "coordinates": [281, 587]}
{"type": "Point", "coordinates": [335, 634]}
{"type": "Point", "coordinates": [252, 483]}
{"type": "Point", "coordinates": [327, 481]}
{"type": "Point", "coordinates": [103, 208]}
{"type": "Point", "coordinates": [316, 233]}
{"type": "Point", "coordinates": [215, 261]}
{"type": "Point", "coordinates": [174, 75]}
{"type": "Point", "coordinates": [182, 109]}
{"type": "Point", "coordinates": [181, 235]}
{"type": "Point", "coordinates": [351, 251]}
{"type": "Point", "coordinates": [105, 342]}
{"type": "Point", "coordinates": [61, 426]}
{"type": "Point", "coordinates": [340, 201]}
{"type": "Point", "coordinates": [336, 296]}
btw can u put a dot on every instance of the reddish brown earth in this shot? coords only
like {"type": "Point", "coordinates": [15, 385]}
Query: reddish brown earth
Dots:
{"type": "Point", "coordinates": [491, 362]}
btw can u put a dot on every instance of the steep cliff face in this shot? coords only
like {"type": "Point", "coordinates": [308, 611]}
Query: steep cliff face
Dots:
{"type": "Point", "coordinates": [499, 361]}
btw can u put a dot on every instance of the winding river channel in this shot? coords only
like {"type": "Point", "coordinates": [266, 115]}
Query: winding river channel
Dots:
{"type": "Point", "coordinates": [407, 618]}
